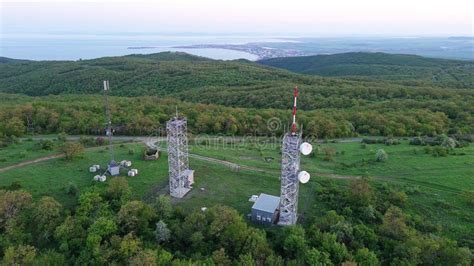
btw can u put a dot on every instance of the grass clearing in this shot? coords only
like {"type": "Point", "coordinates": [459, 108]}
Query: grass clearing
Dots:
{"type": "Point", "coordinates": [436, 185]}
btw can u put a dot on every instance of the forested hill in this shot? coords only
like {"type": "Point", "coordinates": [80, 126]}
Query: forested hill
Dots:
{"type": "Point", "coordinates": [400, 68]}
{"type": "Point", "coordinates": [196, 79]}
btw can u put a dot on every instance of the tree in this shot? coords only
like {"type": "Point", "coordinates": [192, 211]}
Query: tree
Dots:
{"type": "Point", "coordinates": [144, 258]}
{"type": "Point", "coordinates": [360, 192]}
{"type": "Point", "coordinates": [294, 244]}
{"type": "Point", "coordinates": [135, 216]}
{"type": "Point", "coordinates": [365, 257]}
{"type": "Point", "coordinates": [220, 258]}
{"type": "Point", "coordinates": [162, 233]}
{"type": "Point", "coordinates": [118, 189]}
{"type": "Point", "coordinates": [71, 150]}
{"type": "Point", "coordinates": [163, 207]}
{"type": "Point", "coordinates": [19, 255]}
{"type": "Point", "coordinates": [381, 155]}
{"type": "Point", "coordinates": [316, 257]}
{"type": "Point", "coordinates": [50, 258]}
{"type": "Point", "coordinates": [394, 224]}
{"type": "Point", "coordinates": [14, 127]}
{"type": "Point", "coordinates": [11, 203]}
{"type": "Point", "coordinates": [130, 245]}
{"type": "Point", "coordinates": [46, 216]}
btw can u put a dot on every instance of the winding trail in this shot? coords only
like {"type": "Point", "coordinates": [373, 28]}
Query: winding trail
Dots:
{"type": "Point", "coordinates": [25, 163]}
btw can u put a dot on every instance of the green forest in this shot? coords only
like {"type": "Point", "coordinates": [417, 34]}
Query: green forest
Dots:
{"type": "Point", "coordinates": [239, 96]}
{"type": "Point", "coordinates": [397, 68]}
{"type": "Point", "coordinates": [368, 203]}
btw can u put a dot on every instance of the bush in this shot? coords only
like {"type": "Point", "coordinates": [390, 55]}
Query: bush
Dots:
{"type": "Point", "coordinates": [440, 151]}
{"type": "Point", "coordinates": [381, 156]}
{"type": "Point", "coordinates": [417, 141]}
{"type": "Point", "coordinates": [131, 151]}
{"type": "Point", "coordinates": [329, 153]}
{"type": "Point", "coordinates": [99, 141]}
{"type": "Point", "coordinates": [87, 141]}
{"type": "Point", "coordinates": [470, 197]}
{"type": "Point", "coordinates": [62, 137]}
{"type": "Point", "coordinates": [72, 150]}
{"type": "Point", "coordinates": [72, 189]}
{"type": "Point", "coordinates": [391, 141]}
{"type": "Point", "coordinates": [46, 144]}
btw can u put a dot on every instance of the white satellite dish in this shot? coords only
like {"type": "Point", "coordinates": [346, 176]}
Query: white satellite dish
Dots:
{"type": "Point", "coordinates": [306, 148]}
{"type": "Point", "coordinates": [303, 177]}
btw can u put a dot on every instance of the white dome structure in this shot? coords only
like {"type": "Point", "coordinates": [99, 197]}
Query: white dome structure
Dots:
{"type": "Point", "coordinates": [306, 148]}
{"type": "Point", "coordinates": [304, 177]}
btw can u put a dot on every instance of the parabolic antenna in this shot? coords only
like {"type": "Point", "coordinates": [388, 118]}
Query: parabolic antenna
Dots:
{"type": "Point", "coordinates": [303, 177]}
{"type": "Point", "coordinates": [306, 148]}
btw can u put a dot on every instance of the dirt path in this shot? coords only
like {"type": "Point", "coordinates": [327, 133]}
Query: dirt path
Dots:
{"type": "Point", "coordinates": [25, 163]}
{"type": "Point", "coordinates": [46, 158]}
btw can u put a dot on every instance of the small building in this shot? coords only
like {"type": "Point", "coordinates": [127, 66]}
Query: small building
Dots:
{"type": "Point", "coordinates": [113, 168]}
{"type": "Point", "coordinates": [265, 209]}
{"type": "Point", "coordinates": [189, 177]}
{"type": "Point", "coordinates": [151, 154]}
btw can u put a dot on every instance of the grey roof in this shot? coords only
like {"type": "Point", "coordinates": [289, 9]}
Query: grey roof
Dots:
{"type": "Point", "coordinates": [266, 203]}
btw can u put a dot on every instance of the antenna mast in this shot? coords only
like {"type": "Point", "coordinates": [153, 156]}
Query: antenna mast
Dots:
{"type": "Point", "coordinates": [293, 125]}
{"type": "Point", "coordinates": [291, 175]}
{"type": "Point", "coordinates": [108, 131]}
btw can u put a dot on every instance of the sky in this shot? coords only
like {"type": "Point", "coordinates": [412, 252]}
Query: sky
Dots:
{"type": "Point", "coordinates": [270, 17]}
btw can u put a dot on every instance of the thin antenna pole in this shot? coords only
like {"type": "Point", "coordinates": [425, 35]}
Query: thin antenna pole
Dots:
{"type": "Point", "coordinates": [109, 120]}
{"type": "Point", "coordinates": [293, 125]}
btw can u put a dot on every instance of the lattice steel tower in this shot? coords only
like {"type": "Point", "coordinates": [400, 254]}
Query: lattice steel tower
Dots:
{"type": "Point", "coordinates": [290, 171]}
{"type": "Point", "coordinates": [181, 177]}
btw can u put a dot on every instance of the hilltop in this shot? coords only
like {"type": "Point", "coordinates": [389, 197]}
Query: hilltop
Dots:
{"type": "Point", "coordinates": [191, 78]}
{"type": "Point", "coordinates": [399, 68]}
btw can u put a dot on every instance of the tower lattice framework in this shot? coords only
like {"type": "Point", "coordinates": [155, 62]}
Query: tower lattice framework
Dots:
{"type": "Point", "coordinates": [178, 162]}
{"type": "Point", "coordinates": [290, 167]}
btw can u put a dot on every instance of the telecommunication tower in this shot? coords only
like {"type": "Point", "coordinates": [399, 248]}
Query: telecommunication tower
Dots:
{"type": "Point", "coordinates": [181, 177]}
{"type": "Point", "coordinates": [291, 175]}
{"type": "Point", "coordinates": [113, 168]}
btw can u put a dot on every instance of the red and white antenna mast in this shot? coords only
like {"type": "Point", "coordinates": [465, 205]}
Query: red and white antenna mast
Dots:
{"type": "Point", "coordinates": [293, 125]}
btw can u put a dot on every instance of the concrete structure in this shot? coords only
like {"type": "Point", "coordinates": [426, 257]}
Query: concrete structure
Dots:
{"type": "Point", "coordinates": [181, 177]}
{"type": "Point", "coordinates": [265, 209]}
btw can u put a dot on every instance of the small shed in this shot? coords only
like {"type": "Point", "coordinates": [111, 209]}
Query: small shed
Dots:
{"type": "Point", "coordinates": [265, 209]}
{"type": "Point", "coordinates": [151, 154]}
{"type": "Point", "coordinates": [113, 168]}
{"type": "Point", "coordinates": [188, 176]}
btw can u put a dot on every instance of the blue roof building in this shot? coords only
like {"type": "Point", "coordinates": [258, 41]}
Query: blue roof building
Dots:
{"type": "Point", "coordinates": [265, 209]}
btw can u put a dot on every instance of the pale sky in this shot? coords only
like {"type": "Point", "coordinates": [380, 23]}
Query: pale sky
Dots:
{"type": "Point", "coordinates": [297, 17]}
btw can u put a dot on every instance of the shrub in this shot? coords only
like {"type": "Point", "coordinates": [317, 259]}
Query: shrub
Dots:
{"type": "Point", "coordinates": [62, 137]}
{"type": "Point", "coordinates": [72, 150]}
{"type": "Point", "coordinates": [449, 143]}
{"type": "Point", "coordinates": [72, 189]}
{"type": "Point", "coordinates": [470, 197]}
{"type": "Point", "coordinates": [440, 152]}
{"type": "Point", "coordinates": [329, 153]}
{"type": "Point", "coordinates": [381, 156]}
{"type": "Point", "coordinates": [87, 141]}
{"type": "Point", "coordinates": [417, 141]}
{"type": "Point", "coordinates": [131, 151]}
{"type": "Point", "coordinates": [391, 141]}
{"type": "Point", "coordinates": [99, 141]}
{"type": "Point", "coordinates": [46, 144]}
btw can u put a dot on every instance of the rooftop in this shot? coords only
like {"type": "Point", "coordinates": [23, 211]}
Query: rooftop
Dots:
{"type": "Point", "coordinates": [267, 203]}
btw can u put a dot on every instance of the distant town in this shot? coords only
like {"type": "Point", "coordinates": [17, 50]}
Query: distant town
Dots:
{"type": "Point", "coordinates": [257, 49]}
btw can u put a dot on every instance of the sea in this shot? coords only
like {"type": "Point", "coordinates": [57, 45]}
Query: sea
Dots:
{"type": "Point", "coordinates": [88, 46]}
